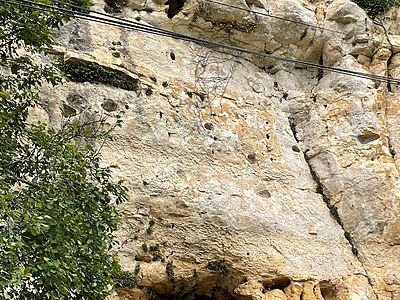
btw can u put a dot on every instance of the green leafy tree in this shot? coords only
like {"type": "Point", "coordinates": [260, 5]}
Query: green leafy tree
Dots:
{"type": "Point", "coordinates": [56, 221]}
{"type": "Point", "coordinates": [377, 7]}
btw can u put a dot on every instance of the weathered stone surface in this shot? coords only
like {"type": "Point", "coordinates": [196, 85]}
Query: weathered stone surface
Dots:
{"type": "Point", "coordinates": [248, 178]}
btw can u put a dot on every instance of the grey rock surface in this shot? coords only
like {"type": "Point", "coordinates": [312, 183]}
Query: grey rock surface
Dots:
{"type": "Point", "coordinates": [248, 178]}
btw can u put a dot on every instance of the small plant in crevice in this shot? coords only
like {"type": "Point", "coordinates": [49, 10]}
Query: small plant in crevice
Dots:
{"type": "Point", "coordinates": [203, 10]}
{"type": "Point", "coordinates": [247, 26]}
{"type": "Point", "coordinates": [126, 279]}
{"type": "Point", "coordinates": [149, 229]}
{"type": "Point", "coordinates": [169, 269]}
{"type": "Point", "coordinates": [218, 265]}
{"type": "Point", "coordinates": [115, 6]}
{"type": "Point", "coordinates": [154, 250]}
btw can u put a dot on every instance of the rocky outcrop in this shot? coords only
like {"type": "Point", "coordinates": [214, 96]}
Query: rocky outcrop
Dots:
{"type": "Point", "coordinates": [249, 178]}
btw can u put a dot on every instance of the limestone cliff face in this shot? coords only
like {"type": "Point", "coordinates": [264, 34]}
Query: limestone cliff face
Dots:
{"type": "Point", "coordinates": [249, 178]}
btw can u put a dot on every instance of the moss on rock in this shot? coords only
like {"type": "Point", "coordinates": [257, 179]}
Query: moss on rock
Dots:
{"type": "Point", "coordinates": [84, 71]}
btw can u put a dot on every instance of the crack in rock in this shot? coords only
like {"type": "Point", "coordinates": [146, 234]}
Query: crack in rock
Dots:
{"type": "Point", "coordinates": [333, 209]}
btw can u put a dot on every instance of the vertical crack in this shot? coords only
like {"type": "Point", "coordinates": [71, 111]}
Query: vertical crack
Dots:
{"type": "Point", "coordinates": [332, 209]}
{"type": "Point", "coordinates": [320, 190]}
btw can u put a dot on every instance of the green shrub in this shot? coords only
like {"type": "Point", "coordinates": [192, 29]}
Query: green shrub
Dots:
{"type": "Point", "coordinates": [376, 7]}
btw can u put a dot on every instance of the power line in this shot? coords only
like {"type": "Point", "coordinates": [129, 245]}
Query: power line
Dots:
{"type": "Point", "coordinates": [274, 16]}
{"type": "Point", "coordinates": [122, 23]}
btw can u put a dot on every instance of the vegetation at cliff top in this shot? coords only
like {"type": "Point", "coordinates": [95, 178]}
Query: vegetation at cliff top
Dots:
{"type": "Point", "coordinates": [56, 221]}
{"type": "Point", "coordinates": [377, 7]}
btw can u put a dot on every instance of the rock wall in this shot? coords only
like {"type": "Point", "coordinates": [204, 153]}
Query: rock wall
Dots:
{"type": "Point", "coordinates": [249, 178]}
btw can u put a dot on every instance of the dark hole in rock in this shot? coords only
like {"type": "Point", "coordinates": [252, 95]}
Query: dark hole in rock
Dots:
{"type": "Point", "coordinates": [215, 138]}
{"type": "Point", "coordinates": [177, 297]}
{"type": "Point", "coordinates": [285, 95]}
{"type": "Point", "coordinates": [328, 290]}
{"type": "Point", "coordinates": [165, 84]}
{"type": "Point", "coordinates": [190, 94]}
{"type": "Point", "coordinates": [209, 126]}
{"type": "Point", "coordinates": [251, 158]}
{"type": "Point", "coordinates": [68, 111]}
{"type": "Point", "coordinates": [109, 105]}
{"type": "Point", "coordinates": [126, 106]}
{"type": "Point", "coordinates": [368, 137]}
{"type": "Point", "coordinates": [314, 98]}
{"type": "Point", "coordinates": [153, 78]}
{"type": "Point", "coordinates": [76, 100]}
{"type": "Point", "coordinates": [296, 148]}
{"type": "Point", "coordinates": [392, 151]}
{"type": "Point", "coordinates": [149, 92]}
{"type": "Point", "coordinates": [267, 136]}
{"type": "Point", "coordinates": [172, 55]}
{"type": "Point", "coordinates": [277, 283]}
{"type": "Point", "coordinates": [202, 97]}
{"type": "Point", "coordinates": [138, 18]}
{"type": "Point", "coordinates": [265, 194]}
{"type": "Point", "coordinates": [216, 294]}
{"type": "Point", "coordinates": [116, 54]}
{"type": "Point", "coordinates": [175, 7]}
{"type": "Point", "coordinates": [304, 34]}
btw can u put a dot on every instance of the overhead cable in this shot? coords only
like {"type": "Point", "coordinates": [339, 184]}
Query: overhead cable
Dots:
{"type": "Point", "coordinates": [123, 23]}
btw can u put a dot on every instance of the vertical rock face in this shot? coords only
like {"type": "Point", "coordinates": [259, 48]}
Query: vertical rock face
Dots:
{"type": "Point", "coordinates": [249, 178]}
